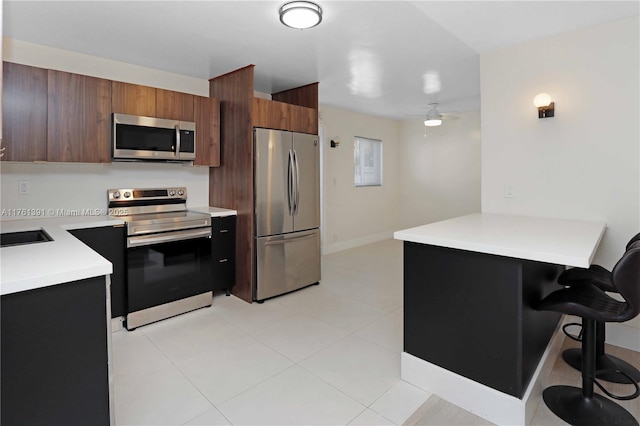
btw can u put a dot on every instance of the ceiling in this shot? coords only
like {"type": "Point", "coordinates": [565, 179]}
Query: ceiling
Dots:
{"type": "Point", "coordinates": [385, 58]}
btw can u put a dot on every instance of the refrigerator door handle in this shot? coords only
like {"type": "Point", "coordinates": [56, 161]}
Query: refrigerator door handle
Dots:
{"type": "Point", "coordinates": [296, 203]}
{"type": "Point", "coordinates": [289, 240]}
{"type": "Point", "coordinates": [290, 184]}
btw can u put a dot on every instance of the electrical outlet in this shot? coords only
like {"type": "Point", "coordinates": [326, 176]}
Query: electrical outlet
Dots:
{"type": "Point", "coordinates": [509, 191]}
{"type": "Point", "coordinates": [23, 187]}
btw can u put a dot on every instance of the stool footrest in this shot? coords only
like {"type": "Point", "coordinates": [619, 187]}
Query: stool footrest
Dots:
{"type": "Point", "coordinates": [618, 397]}
{"type": "Point", "coordinates": [606, 367]}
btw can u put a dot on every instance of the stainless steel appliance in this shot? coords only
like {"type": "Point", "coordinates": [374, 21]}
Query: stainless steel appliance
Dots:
{"type": "Point", "coordinates": [148, 138]}
{"type": "Point", "coordinates": [287, 211]}
{"type": "Point", "coordinates": [169, 261]}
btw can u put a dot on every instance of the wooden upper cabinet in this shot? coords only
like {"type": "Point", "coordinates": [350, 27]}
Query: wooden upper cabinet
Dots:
{"type": "Point", "coordinates": [174, 105]}
{"type": "Point", "coordinates": [24, 112]}
{"type": "Point", "coordinates": [79, 118]}
{"type": "Point", "coordinates": [133, 99]}
{"type": "Point", "coordinates": [207, 118]}
{"type": "Point", "coordinates": [284, 116]}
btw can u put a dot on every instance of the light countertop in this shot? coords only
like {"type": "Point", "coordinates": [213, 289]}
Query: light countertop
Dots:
{"type": "Point", "coordinates": [65, 259]}
{"type": "Point", "coordinates": [32, 266]}
{"type": "Point", "coordinates": [215, 211]}
{"type": "Point", "coordinates": [557, 241]}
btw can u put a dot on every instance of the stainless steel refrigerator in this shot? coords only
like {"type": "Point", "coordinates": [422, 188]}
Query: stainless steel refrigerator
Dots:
{"type": "Point", "coordinates": [287, 211]}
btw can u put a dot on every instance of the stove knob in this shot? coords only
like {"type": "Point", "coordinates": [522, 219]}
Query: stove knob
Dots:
{"type": "Point", "coordinates": [127, 194]}
{"type": "Point", "coordinates": [181, 193]}
{"type": "Point", "coordinates": [172, 193]}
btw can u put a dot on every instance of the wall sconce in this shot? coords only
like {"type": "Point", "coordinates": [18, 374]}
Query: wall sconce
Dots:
{"type": "Point", "coordinates": [335, 142]}
{"type": "Point", "coordinates": [546, 108]}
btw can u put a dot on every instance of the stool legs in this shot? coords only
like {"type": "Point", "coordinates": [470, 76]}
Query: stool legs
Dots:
{"type": "Point", "coordinates": [582, 406]}
{"type": "Point", "coordinates": [605, 364]}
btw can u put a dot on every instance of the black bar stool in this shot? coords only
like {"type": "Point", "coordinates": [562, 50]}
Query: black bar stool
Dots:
{"type": "Point", "coordinates": [581, 406]}
{"type": "Point", "coordinates": [606, 365]}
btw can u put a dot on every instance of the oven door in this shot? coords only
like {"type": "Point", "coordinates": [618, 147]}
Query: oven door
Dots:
{"type": "Point", "coordinates": [169, 266]}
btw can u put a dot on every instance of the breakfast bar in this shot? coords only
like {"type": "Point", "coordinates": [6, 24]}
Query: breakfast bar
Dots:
{"type": "Point", "coordinates": [471, 332]}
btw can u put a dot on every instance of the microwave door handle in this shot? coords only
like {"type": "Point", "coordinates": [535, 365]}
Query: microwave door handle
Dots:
{"type": "Point", "coordinates": [177, 127]}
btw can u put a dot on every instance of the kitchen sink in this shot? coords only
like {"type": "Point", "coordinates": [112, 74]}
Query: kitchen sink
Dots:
{"type": "Point", "coordinates": [25, 237]}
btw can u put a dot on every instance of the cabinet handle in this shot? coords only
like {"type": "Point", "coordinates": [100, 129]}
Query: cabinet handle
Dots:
{"type": "Point", "coordinates": [224, 230]}
{"type": "Point", "coordinates": [223, 260]}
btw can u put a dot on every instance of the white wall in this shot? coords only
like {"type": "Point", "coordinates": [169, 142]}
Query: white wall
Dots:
{"type": "Point", "coordinates": [585, 162]}
{"type": "Point", "coordinates": [22, 52]}
{"type": "Point", "coordinates": [440, 176]}
{"type": "Point", "coordinates": [83, 186]}
{"type": "Point", "coordinates": [355, 216]}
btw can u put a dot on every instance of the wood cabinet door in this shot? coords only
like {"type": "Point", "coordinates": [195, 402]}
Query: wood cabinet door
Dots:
{"type": "Point", "coordinates": [174, 105]}
{"type": "Point", "coordinates": [24, 112]}
{"type": "Point", "coordinates": [303, 119]}
{"type": "Point", "coordinates": [79, 118]}
{"type": "Point", "coordinates": [133, 99]}
{"type": "Point", "coordinates": [207, 118]}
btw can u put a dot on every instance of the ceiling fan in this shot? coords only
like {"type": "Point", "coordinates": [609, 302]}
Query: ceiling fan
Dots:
{"type": "Point", "coordinates": [434, 117]}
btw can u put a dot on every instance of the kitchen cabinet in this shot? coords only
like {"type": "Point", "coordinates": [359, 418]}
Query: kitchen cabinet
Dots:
{"type": "Point", "coordinates": [55, 359]}
{"type": "Point", "coordinates": [57, 116]}
{"type": "Point", "coordinates": [223, 252]}
{"type": "Point", "coordinates": [24, 112]}
{"type": "Point", "coordinates": [207, 119]}
{"type": "Point", "coordinates": [78, 118]}
{"type": "Point", "coordinates": [174, 105]}
{"type": "Point", "coordinates": [110, 242]}
{"type": "Point", "coordinates": [283, 116]}
{"type": "Point", "coordinates": [133, 99]}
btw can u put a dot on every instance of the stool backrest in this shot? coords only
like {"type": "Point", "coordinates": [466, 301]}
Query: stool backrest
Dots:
{"type": "Point", "coordinates": [626, 279]}
{"type": "Point", "coordinates": [633, 239]}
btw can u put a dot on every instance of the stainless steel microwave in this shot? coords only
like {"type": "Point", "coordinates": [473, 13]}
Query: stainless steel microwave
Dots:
{"type": "Point", "coordinates": [148, 138]}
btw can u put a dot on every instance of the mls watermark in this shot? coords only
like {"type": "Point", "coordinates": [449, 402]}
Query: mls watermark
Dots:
{"type": "Point", "coordinates": [36, 212]}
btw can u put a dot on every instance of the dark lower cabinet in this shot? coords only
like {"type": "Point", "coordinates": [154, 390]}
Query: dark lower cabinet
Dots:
{"type": "Point", "coordinates": [54, 367]}
{"type": "Point", "coordinates": [223, 244]}
{"type": "Point", "coordinates": [110, 242]}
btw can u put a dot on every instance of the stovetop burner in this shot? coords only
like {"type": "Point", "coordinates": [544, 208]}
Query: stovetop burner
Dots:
{"type": "Point", "coordinates": [152, 210]}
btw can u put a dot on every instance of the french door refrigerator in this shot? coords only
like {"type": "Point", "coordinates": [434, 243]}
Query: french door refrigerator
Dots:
{"type": "Point", "coordinates": [287, 211]}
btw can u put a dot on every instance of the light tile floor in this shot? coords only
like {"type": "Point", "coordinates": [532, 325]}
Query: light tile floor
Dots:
{"type": "Point", "coordinates": [325, 355]}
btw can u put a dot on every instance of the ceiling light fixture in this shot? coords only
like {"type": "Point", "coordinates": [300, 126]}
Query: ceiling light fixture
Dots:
{"type": "Point", "coordinates": [300, 14]}
{"type": "Point", "coordinates": [433, 118]}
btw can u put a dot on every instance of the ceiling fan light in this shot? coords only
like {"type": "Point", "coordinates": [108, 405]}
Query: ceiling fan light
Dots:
{"type": "Point", "coordinates": [300, 14]}
{"type": "Point", "coordinates": [432, 122]}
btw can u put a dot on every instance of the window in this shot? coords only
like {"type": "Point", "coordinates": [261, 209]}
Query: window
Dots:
{"type": "Point", "coordinates": [367, 154]}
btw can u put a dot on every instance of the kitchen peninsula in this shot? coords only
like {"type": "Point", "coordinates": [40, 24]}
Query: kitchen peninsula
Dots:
{"type": "Point", "coordinates": [471, 334]}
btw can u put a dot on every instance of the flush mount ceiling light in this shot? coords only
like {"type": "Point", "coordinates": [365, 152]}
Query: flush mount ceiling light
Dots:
{"type": "Point", "coordinates": [300, 14]}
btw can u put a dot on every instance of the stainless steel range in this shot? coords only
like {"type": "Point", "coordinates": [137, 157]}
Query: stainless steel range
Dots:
{"type": "Point", "coordinates": [169, 268]}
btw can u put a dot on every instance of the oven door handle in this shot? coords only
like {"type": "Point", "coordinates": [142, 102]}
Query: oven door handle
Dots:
{"type": "Point", "coordinates": [166, 237]}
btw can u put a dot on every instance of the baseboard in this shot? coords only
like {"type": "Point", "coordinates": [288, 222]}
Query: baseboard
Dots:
{"type": "Point", "coordinates": [357, 242]}
{"type": "Point", "coordinates": [117, 324]}
{"type": "Point", "coordinates": [483, 401]}
{"type": "Point", "coordinates": [624, 336]}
